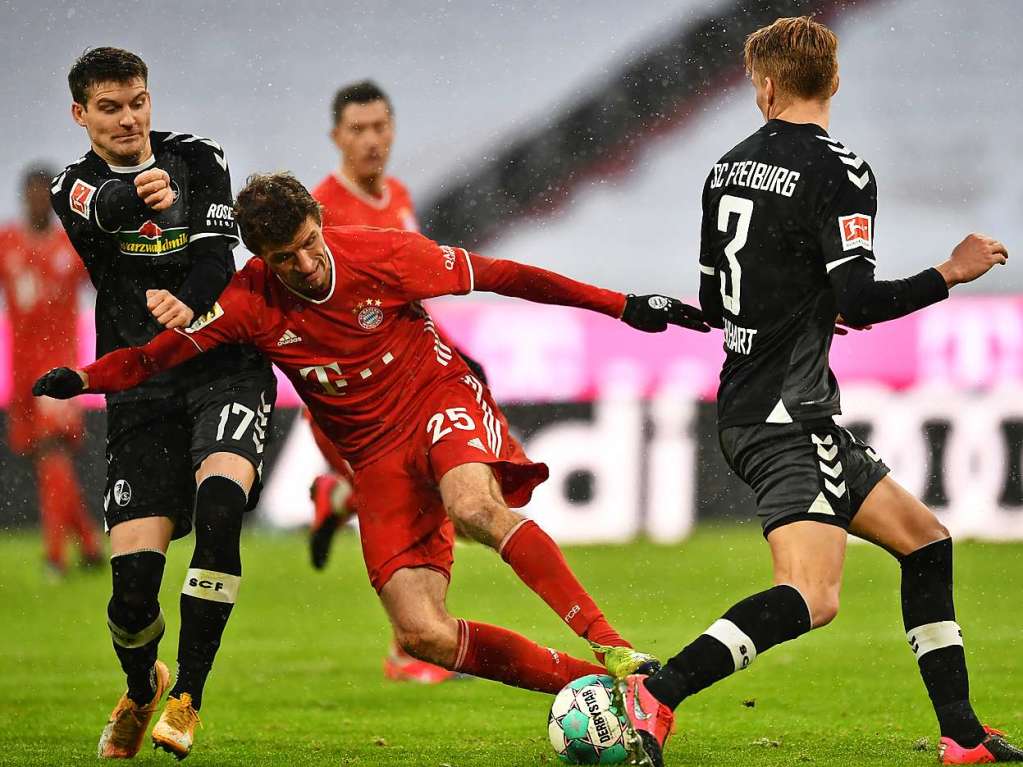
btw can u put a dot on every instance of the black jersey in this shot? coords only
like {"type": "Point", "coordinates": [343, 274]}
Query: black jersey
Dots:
{"type": "Point", "coordinates": [781, 211]}
{"type": "Point", "coordinates": [129, 249]}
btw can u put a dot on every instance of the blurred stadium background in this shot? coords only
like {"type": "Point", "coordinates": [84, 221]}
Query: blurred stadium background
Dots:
{"type": "Point", "coordinates": [573, 136]}
{"type": "Point", "coordinates": [579, 140]}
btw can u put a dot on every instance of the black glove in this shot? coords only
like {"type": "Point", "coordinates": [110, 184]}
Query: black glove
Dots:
{"type": "Point", "coordinates": [59, 383]}
{"type": "Point", "coordinates": [653, 314]}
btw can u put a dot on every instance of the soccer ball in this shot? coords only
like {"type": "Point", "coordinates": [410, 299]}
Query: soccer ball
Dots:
{"type": "Point", "coordinates": [584, 725]}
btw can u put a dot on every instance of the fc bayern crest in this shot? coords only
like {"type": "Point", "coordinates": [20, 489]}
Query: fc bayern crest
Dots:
{"type": "Point", "coordinates": [369, 314]}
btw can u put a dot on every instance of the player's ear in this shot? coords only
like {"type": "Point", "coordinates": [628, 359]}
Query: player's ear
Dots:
{"type": "Point", "coordinates": [834, 90]}
{"type": "Point", "coordinates": [78, 113]}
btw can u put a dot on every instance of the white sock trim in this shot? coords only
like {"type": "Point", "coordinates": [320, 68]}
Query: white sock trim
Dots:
{"type": "Point", "coordinates": [139, 638]}
{"type": "Point", "coordinates": [463, 645]}
{"type": "Point", "coordinates": [227, 477]}
{"type": "Point", "coordinates": [211, 585]}
{"type": "Point", "coordinates": [508, 537]}
{"type": "Point", "coordinates": [934, 636]}
{"type": "Point", "coordinates": [138, 551]}
{"type": "Point", "coordinates": [744, 652]}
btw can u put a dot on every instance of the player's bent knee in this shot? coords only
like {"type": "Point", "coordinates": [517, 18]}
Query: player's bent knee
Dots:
{"type": "Point", "coordinates": [133, 613]}
{"type": "Point", "coordinates": [478, 515]}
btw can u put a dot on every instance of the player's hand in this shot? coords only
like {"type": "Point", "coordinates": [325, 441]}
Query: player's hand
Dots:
{"type": "Point", "coordinates": [168, 310]}
{"type": "Point", "coordinates": [842, 327]}
{"type": "Point", "coordinates": [61, 383]}
{"type": "Point", "coordinates": [971, 258]}
{"type": "Point", "coordinates": [653, 314]}
{"type": "Point", "coordinates": [154, 187]}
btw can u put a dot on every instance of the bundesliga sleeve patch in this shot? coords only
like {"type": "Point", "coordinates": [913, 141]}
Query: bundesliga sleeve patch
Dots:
{"type": "Point", "coordinates": [81, 198]}
{"type": "Point", "coordinates": [856, 232]}
{"type": "Point", "coordinates": [211, 316]}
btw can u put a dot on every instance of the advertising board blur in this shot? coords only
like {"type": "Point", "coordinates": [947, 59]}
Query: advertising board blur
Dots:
{"type": "Point", "coordinates": [624, 423]}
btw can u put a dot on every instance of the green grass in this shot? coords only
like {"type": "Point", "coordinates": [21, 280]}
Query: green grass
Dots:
{"type": "Point", "coordinates": [298, 680]}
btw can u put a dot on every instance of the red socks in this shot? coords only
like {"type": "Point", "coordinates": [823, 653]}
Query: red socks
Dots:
{"type": "Point", "coordinates": [539, 563]}
{"type": "Point", "coordinates": [61, 508]}
{"type": "Point", "coordinates": [492, 652]}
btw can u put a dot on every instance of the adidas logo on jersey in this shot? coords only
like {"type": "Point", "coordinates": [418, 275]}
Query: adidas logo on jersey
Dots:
{"type": "Point", "coordinates": [288, 338]}
{"type": "Point", "coordinates": [477, 443]}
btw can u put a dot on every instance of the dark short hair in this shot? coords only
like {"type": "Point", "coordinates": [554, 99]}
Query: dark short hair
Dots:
{"type": "Point", "coordinates": [362, 92]}
{"type": "Point", "coordinates": [271, 208]}
{"type": "Point", "coordinates": [36, 174]}
{"type": "Point", "coordinates": [104, 65]}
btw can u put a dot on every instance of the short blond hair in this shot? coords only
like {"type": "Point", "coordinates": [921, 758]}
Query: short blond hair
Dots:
{"type": "Point", "coordinates": [799, 54]}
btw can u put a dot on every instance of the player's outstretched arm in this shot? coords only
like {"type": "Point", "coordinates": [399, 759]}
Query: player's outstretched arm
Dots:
{"type": "Point", "coordinates": [862, 300]}
{"type": "Point", "coordinates": [650, 313]}
{"type": "Point", "coordinates": [119, 370]}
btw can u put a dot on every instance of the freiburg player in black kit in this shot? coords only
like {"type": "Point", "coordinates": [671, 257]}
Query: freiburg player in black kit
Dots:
{"type": "Point", "coordinates": [151, 216]}
{"type": "Point", "coordinates": [787, 250]}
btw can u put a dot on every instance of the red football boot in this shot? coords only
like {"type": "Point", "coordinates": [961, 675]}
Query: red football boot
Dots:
{"type": "Point", "coordinates": [994, 748]}
{"type": "Point", "coordinates": [402, 667]}
{"type": "Point", "coordinates": [651, 721]}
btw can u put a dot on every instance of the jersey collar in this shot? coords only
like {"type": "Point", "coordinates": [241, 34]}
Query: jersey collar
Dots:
{"type": "Point", "coordinates": [378, 203]}
{"type": "Point", "coordinates": [333, 281]}
{"type": "Point", "coordinates": [133, 168]}
{"type": "Point", "coordinates": [776, 124]}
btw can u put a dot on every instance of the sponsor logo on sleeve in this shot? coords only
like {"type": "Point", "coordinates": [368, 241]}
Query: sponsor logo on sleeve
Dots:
{"type": "Point", "coordinates": [449, 257]}
{"type": "Point", "coordinates": [81, 198]}
{"type": "Point", "coordinates": [211, 316]}
{"type": "Point", "coordinates": [220, 214]}
{"type": "Point", "coordinates": [856, 231]}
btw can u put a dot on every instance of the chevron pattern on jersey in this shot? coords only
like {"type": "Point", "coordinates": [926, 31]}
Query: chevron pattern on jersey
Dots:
{"type": "Point", "coordinates": [850, 159]}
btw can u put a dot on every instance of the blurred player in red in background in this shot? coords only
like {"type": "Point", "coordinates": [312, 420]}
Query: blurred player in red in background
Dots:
{"type": "Point", "coordinates": [40, 276]}
{"type": "Point", "coordinates": [359, 193]}
{"type": "Point", "coordinates": [426, 441]}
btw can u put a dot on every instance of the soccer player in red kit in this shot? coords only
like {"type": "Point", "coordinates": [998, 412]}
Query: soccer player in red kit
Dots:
{"type": "Point", "coordinates": [39, 277]}
{"type": "Point", "coordinates": [359, 193]}
{"type": "Point", "coordinates": [339, 312]}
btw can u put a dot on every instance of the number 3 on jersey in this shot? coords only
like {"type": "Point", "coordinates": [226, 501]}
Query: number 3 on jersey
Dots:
{"type": "Point", "coordinates": [743, 208]}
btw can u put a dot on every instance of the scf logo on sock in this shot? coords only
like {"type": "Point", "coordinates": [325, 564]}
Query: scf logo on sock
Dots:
{"type": "Point", "coordinates": [204, 584]}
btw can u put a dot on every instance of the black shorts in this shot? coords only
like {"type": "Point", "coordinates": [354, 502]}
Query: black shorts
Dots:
{"type": "Point", "coordinates": [155, 446]}
{"type": "Point", "coordinates": [814, 470]}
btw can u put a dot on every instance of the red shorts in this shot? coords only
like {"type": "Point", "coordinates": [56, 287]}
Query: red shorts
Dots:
{"type": "Point", "coordinates": [34, 420]}
{"type": "Point", "coordinates": [402, 520]}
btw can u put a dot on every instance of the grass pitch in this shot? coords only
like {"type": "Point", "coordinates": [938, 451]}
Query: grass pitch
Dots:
{"type": "Point", "coordinates": [298, 681]}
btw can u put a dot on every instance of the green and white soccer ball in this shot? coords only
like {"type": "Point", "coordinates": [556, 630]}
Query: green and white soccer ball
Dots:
{"type": "Point", "coordinates": [584, 725]}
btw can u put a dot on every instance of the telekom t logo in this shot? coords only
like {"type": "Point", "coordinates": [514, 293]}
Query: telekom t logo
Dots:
{"type": "Point", "coordinates": [330, 386]}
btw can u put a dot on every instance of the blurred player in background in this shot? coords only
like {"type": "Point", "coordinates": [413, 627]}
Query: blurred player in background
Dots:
{"type": "Point", "coordinates": [427, 443]}
{"type": "Point", "coordinates": [151, 215]}
{"type": "Point", "coordinates": [359, 193]}
{"type": "Point", "coordinates": [40, 276]}
{"type": "Point", "coordinates": [786, 250]}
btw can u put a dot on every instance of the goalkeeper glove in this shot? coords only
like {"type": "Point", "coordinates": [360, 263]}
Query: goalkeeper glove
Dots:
{"type": "Point", "coordinates": [653, 314]}
{"type": "Point", "coordinates": [59, 383]}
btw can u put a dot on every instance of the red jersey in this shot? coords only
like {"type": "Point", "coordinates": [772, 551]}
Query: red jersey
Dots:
{"type": "Point", "coordinates": [40, 274]}
{"type": "Point", "coordinates": [365, 356]}
{"type": "Point", "coordinates": [344, 204]}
